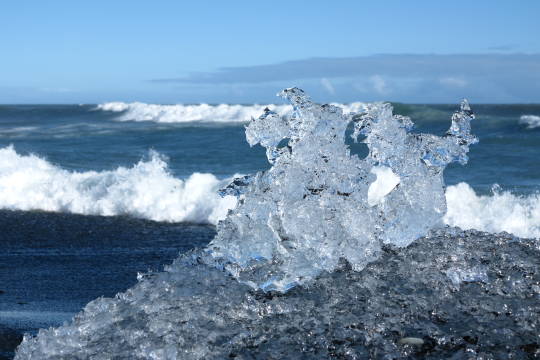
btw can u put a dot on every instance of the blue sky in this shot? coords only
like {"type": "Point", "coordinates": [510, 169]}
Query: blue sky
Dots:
{"type": "Point", "coordinates": [244, 51]}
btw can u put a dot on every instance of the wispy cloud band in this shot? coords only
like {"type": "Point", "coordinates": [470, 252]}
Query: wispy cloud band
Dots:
{"type": "Point", "coordinates": [397, 77]}
{"type": "Point", "coordinates": [384, 65]}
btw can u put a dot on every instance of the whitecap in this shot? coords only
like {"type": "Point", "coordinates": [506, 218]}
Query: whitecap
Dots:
{"type": "Point", "coordinates": [532, 121]}
{"type": "Point", "coordinates": [223, 113]}
{"type": "Point", "coordinates": [146, 190]}
{"type": "Point", "coordinates": [501, 211]}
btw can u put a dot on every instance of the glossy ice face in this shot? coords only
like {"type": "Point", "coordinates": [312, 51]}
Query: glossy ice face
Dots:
{"type": "Point", "coordinates": [318, 204]}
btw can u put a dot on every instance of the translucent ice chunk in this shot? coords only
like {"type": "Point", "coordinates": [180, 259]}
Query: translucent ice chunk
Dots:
{"type": "Point", "coordinates": [319, 204]}
{"type": "Point", "coordinates": [461, 275]}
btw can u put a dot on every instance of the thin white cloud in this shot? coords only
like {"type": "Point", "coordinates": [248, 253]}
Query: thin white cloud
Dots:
{"type": "Point", "coordinates": [387, 66]}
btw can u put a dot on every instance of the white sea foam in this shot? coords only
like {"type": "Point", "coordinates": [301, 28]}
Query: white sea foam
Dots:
{"type": "Point", "coordinates": [224, 113]}
{"type": "Point", "coordinates": [501, 211]}
{"type": "Point", "coordinates": [532, 121]}
{"type": "Point", "coordinates": [146, 190]}
{"type": "Point", "coordinates": [187, 113]}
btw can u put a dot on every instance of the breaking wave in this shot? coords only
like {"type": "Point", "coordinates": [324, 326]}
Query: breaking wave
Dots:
{"type": "Point", "coordinates": [502, 211]}
{"type": "Point", "coordinates": [223, 113]}
{"type": "Point", "coordinates": [532, 121]}
{"type": "Point", "coordinates": [145, 190]}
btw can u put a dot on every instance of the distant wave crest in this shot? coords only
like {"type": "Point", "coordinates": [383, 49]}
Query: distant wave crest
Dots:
{"type": "Point", "coordinates": [532, 121]}
{"type": "Point", "coordinates": [145, 190]}
{"type": "Point", "coordinates": [223, 113]}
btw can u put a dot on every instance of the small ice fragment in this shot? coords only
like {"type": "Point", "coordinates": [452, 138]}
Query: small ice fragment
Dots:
{"type": "Point", "coordinates": [237, 187]}
{"type": "Point", "coordinates": [386, 181]}
{"type": "Point", "coordinates": [411, 341]}
{"type": "Point", "coordinates": [460, 275]}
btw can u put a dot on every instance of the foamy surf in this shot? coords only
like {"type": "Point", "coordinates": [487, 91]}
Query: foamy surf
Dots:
{"type": "Point", "coordinates": [145, 190]}
{"type": "Point", "coordinates": [501, 211]}
{"type": "Point", "coordinates": [223, 113]}
{"type": "Point", "coordinates": [532, 121]}
{"type": "Point", "coordinates": [138, 111]}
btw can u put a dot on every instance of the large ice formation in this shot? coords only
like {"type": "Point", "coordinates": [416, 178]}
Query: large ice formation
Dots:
{"type": "Point", "coordinates": [319, 204]}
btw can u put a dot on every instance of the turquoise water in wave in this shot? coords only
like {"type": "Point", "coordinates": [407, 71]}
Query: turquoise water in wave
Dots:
{"type": "Point", "coordinates": [81, 138]}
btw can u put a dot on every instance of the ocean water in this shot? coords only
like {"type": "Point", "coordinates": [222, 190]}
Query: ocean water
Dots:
{"type": "Point", "coordinates": [210, 139]}
{"type": "Point", "coordinates": [106, 155]}
{"type": "Point", "coordinates": [92, 194]}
